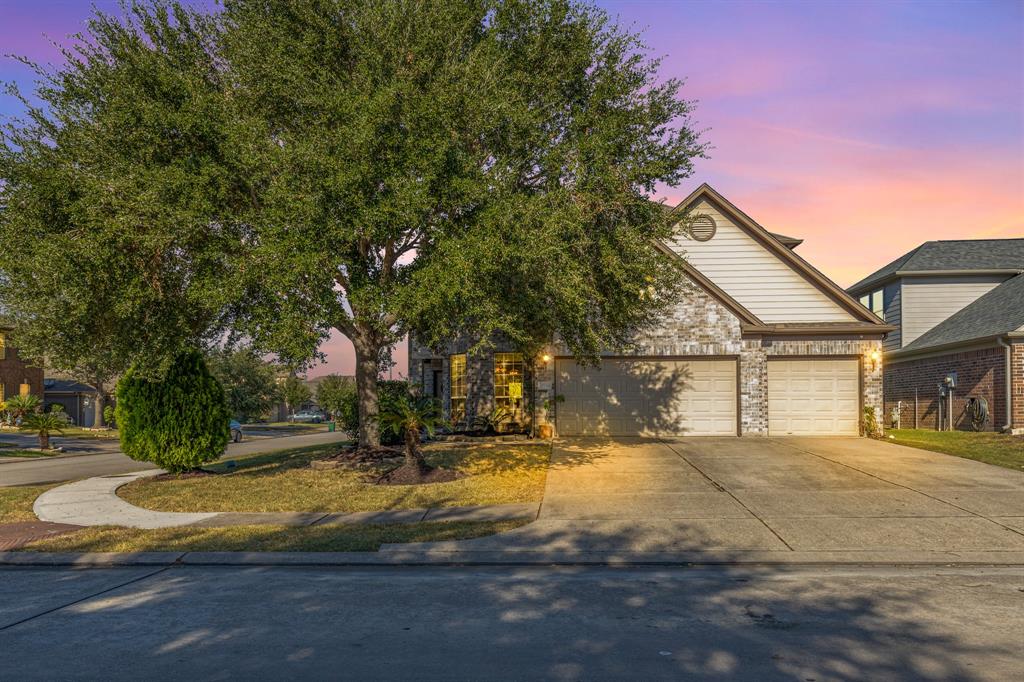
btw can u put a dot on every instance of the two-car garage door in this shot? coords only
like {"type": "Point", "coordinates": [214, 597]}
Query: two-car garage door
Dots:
{"type": "Point", "coordinates": [647, 397]}
{"type": "Point", "coordinates": [697, 397]}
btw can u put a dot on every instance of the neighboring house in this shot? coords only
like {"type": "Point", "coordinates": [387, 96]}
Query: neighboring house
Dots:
{"type": "Point", "coordinates": [762, 344]}
{"type": "Point", "coordinates": [77, 399]}
{"type": "Point", "coordinates": [16, 376]}
{"type": "Point", "coordinates": [958, 309]}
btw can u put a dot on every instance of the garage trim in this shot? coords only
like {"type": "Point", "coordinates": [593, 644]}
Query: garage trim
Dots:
{"type": "Point", "coordinates": [736, 358]}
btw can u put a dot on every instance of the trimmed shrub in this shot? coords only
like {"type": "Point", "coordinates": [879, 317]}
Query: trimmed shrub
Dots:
{"type": "Point", "coordinates": [178, 423]}
{"type": "Point", "coordinates": [387, 391]}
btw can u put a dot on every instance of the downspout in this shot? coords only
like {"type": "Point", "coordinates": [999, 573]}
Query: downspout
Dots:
{"type": "Point", "coordinates": [1008, 383]}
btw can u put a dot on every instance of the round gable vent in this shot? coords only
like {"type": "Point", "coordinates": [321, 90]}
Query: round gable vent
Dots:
{"type": "Point", "coordinates": [703, 228]}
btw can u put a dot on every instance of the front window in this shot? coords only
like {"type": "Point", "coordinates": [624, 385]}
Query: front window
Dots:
{"type": "Point", "coordinates": [874, 302]}
{"type": "Point", "coordinates": [508, 382]}
{"type": "Point", "coordinates": [458, 375]}
{"type": "Point", "coordinates": [24, 389]}
{"type": "Point", "coordinates": [3, 346]}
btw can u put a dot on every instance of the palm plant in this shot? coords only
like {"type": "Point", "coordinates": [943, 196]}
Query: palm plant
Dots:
{"type": "Point", "coordinates": [21, 405]}
{"type": "Point", "coordinates": [406, 416]}
{"type": "Point", "coordinates": [490, 422]}
{"type": "Point", "coordinates": [43, 424]}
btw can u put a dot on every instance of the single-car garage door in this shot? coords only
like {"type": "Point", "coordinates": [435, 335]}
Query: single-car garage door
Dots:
{"type": "Point", "coordinates": [813, 397]}
{"type": "Point", "coordinates": [647, 397]}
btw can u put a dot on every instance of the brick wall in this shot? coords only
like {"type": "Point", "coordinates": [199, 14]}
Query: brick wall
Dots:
{"type": "Point", "coordinates": [14, 371]}
{"type": "Point", "coordinates": [980, 373]}
{"type": "Point", "coordinates": [1017, 384]}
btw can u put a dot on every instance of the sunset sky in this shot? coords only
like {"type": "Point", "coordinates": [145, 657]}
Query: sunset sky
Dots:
{"type": "Point", "coordinates": [864, 128]}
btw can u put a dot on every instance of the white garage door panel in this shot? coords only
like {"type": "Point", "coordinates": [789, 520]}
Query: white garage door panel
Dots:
{"type": "Point", "coordinates": [626, 397]}
{"type": "Point", "coordinates": [813, 397]}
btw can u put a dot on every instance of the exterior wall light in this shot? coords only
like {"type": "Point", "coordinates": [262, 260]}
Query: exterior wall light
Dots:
{"type": "Point", "coordinates": [546, 357]}
{"type": "Point", "coordinates": [876, 359]}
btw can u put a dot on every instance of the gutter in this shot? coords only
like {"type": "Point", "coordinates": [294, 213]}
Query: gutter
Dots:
{"type": "Point", "coordinates": [965, 345]}
{"type": "Point", "coordinates": [789, 329]}
{"type": "Point", "coordinates": [1009, 392]}
{"type": "Point", "coordinates": [860, 289]}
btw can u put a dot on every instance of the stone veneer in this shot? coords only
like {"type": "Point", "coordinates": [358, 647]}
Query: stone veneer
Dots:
{"type": "Point", "coordinates": [698, 326]}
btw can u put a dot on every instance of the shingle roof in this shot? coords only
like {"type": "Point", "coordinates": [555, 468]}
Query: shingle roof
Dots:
{"type": "Point", "coordinates": [65, 386]}
{"type": "Point", "coordinates": [998, 312]}
{"type": "Point", "coordinates": [944, 256]}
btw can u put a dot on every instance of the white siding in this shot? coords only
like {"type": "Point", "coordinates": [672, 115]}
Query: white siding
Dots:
{"type": "Point", "coordinates": [758, 279]}
{"type": "Point", "coordinates": [930, 300]}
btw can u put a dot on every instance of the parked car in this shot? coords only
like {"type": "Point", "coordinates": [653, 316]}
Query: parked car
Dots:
{"type": "Point", "coordinates": [308, 416]}
{"type": "Point", "coordinates": [236, 431]}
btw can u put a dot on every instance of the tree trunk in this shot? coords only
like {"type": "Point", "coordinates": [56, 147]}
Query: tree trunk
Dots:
{"type": "Point", "coordinates": [367, 369]}
{"type": "Point", "coordinates": [44, 441]}
{"type": "Point", "coordinates": [413, 456]}
{"type": "Point", "coordinates": [98, 420]}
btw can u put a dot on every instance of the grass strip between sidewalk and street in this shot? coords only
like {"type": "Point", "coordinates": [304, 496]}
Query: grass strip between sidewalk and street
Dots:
{"type": "Point", "coordinates": [999, 449]}
{"type": "Point", "coordinates": [327, 538]}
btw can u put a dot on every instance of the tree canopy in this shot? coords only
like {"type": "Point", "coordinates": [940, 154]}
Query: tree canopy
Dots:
{"type": "Point", "coordinates": [451, 167]}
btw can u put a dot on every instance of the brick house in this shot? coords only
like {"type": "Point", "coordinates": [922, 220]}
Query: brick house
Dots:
{"type": "Point", "coordinates": [761, 344]}
{"type": "Point", "coordinates": [958, 312]}
{"type": "Point", "coordinates": [16, 376]}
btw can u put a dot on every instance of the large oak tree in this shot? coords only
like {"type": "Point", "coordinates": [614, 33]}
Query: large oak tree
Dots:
{"type": "Point", "coordinates": [453, 167]}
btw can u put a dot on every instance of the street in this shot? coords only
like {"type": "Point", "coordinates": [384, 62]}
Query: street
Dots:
{"type": "Point", "coordinates": [110, 460]}
{"type": "Point", "coordinates": [811, 623]}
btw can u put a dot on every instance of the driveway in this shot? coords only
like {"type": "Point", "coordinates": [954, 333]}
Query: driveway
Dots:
{"type": "Point", "coordinates": [109, 460]}
{"type": "Point", "coordinates": [737, 495]}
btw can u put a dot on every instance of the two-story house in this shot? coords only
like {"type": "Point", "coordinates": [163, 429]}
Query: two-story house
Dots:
{"type": "Point", "coordinates": [958, 312]}
{"type": "Point", "coordinates": [16, 376]}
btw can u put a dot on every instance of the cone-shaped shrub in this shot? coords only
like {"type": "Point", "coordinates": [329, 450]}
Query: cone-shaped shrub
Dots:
{"type": "Point", "coordinates": [178, 423]}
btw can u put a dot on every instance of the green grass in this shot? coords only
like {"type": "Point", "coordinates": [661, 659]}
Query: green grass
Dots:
{"type": "Point", "coordinates": [16, 503]}
{"type": "Point", "coordinates": [80, 433]}
{"type": "Point", "coordinates": [283, 481]}
{"type": "Point", "coordinates": [992, 448]}
{"type": "Point", "coordinates": [264, 538]}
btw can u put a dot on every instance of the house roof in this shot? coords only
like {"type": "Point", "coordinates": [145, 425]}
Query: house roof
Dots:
{"type": "Point", "coordinates": [997, 313]}
{"type": "Point", "coordinates": [776, 245]}
{"type": "Point", "coordinates": [952, 256]}
{"type": "Point", "coordinates": [51, 385]}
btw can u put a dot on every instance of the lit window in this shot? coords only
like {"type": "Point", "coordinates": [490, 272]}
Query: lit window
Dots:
{"type": "Point", "coordinates": [508, 381]}
{"type": "Point", "coordinates": [458, 375]}
{"type": "Point", "coordinates": [3, 346]}
{"type": "Point", "coordinates": [24, 390]}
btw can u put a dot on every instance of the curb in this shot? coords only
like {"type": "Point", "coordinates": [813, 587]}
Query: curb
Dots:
{"type": "Point", "coordinates": [397, 557]}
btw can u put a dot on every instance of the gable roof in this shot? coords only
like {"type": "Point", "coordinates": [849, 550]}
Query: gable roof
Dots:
{"type": "Point", "coordinates": [992, 256]}
{"type": "Point", "coordinates": [997, 313]}
{"type": "Point", "coordinates": [775, 244]}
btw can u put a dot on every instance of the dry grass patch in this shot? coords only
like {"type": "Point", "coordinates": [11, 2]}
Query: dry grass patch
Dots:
{"type": "Point", "coordinates": [501, 473]}
{"type": "Point", "coordinates": [16, 503]}
{"type": "Point", "coordinates": [264, 538]}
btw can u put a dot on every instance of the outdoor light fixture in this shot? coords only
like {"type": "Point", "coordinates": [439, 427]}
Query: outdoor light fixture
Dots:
{"type": "Point", "coordinates": [876, 358]}
{"type": "Point", "coordinates": [546, 357]}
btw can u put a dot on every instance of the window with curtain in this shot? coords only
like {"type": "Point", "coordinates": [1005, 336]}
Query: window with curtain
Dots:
{"type": "Point", "coordinates": [509, 372]}
{"type": "Point", "coordinates": [457, 366]}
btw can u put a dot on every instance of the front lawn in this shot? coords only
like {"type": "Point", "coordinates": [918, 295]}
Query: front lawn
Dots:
{"type": "Point", "coordinates": [264, 538]}
{"type": "Point", "coordinates": [992, 448]}
{"type": "Point", "coordinates": [82, 433]}
{"type": "Point", "coordinates": [15, 452]}
{"type": "Point", "coordinates": [16, 503]}
{"type": "Point", "coordinates": [501, 473]}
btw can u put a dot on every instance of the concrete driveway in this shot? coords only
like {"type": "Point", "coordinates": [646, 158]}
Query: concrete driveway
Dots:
{"type": "Point", "coordinates": [773, 496]}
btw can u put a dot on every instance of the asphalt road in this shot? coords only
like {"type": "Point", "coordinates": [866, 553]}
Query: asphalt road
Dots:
{"type": "Point", "coordinates": [107, 459]}
{"type": "Point", "coordinates": [806, 624]}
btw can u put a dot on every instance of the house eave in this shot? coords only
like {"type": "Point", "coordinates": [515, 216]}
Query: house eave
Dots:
{"type": "Point", "coordinates": [795, 329]}
{"type": "Point", "coordinates": [979, 343]}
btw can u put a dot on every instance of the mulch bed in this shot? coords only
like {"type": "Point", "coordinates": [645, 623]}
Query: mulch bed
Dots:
{"type": "Point", "coordinates": [15, 535]}
{"type": "Point", "coordinates": [195, 473]}
{"type": "Point", "coordinates": [406, 475]}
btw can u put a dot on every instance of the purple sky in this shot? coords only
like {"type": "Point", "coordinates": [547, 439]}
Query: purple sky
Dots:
{"type": "Point", "coordinates": [864, 128]}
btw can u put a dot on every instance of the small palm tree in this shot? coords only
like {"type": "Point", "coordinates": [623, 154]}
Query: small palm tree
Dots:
{"type": "Point", "coordinates": [21, 405]}
{"type": "Point", "coordinates": [43, 424]}
{"type": "Point", "coordinates": [406, 417]}
{"type": "Point", "coordinates": [490, 422]}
